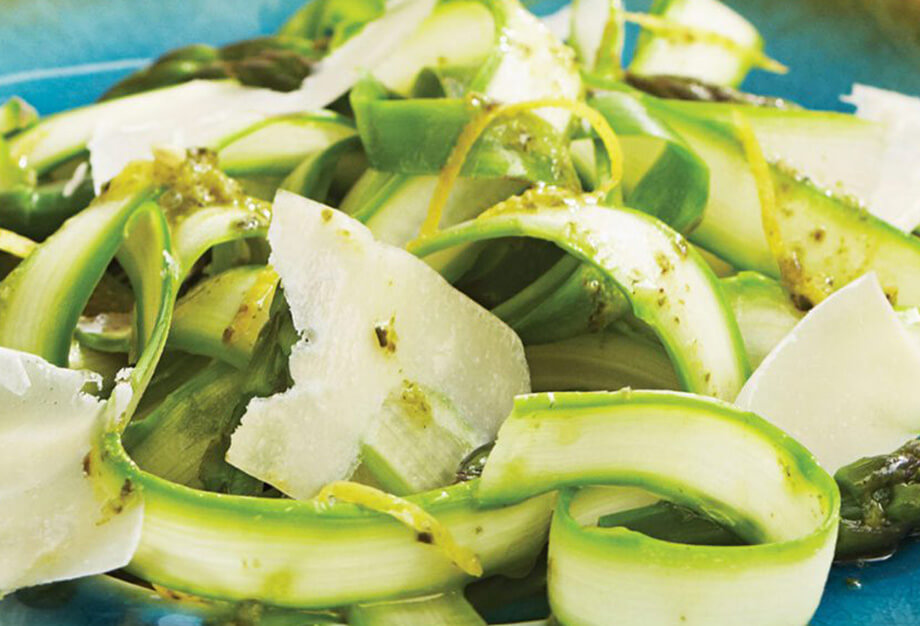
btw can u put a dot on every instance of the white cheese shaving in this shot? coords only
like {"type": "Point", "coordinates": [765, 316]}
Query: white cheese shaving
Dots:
{"type": "Point", "coordinates": [54, 525]}
{"type": "Point", "coordinates": [559, 22]}
{"type": "Point", "coordinates": [844, 381]}
{"type": "Point", "coordinates": [196, 114]}
{"type": "Point", "coordinates": [367, 50]}
{"type": "Point", "coordinates": [588, 20]}
{"type": "Point", "coordinates": [535, 64]}
{"type": "Point", "coordinates": [373, 318]}
{"type": "Point", "coordinates": [895, 197]}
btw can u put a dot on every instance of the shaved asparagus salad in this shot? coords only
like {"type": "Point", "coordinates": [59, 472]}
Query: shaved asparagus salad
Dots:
{"type": "Point", "coordinates": [423, 310]}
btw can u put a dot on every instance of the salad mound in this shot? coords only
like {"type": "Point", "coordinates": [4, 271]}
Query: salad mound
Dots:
{"type": "Point", "coordinates": [421, 311]}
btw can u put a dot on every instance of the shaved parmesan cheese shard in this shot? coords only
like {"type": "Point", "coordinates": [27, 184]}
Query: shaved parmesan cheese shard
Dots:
{"type": "Point", "coordinates": [535, 64]}
{"type": "Point", "coordinates": [336, 74]}
{"type": "Point", "coordinates": [56, 523]}
{"type": "Point", "coordinates": [590, 21]}
{"type": "Point", "coordinates": [894, 198]}
{"type": "Point", "coordinates": [197, 114]}
{"type": "Point", "coordinates": [559, 22]}
{"type": "Point", "coordinates": [384, 337]}
{"type": "Point", "coordinates": [418, 35]}
{"type": "Point", "coordinates": [844, 381]}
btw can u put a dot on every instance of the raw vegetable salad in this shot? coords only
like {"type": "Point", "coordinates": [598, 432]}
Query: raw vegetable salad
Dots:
{"type": "Point", "coordinates": [422, 310]}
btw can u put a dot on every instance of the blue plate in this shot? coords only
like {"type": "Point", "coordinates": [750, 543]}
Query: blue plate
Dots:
{"type": "Point", "coordinates": [58, 54]}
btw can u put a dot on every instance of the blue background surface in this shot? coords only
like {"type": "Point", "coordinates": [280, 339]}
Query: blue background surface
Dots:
{"type": "Point", "coordinates": [62, 53]}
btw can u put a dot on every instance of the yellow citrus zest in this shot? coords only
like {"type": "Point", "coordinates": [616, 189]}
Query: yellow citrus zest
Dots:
{"type": "Point", "coordinates": [15, 244]}
{"type": "Point", "coordinates": [769, 212]}
{"type": "Point", "coordinates": [253, 312]}
{"type": "Point", "coordinates": [428, 529]}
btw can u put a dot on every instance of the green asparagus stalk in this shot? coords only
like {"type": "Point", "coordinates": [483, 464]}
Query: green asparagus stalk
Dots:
{"type": "Point", "coordinates": [683, 88]}
{"type": "Point", "coordinates": [332, 20]}
{"type": "Point", "coordinates": [673, 522]}
{"type": "Point", "coordinates": [36, 212]}
{"type": "Point", "coordinates": [880, 503]}
{"type": "Point", "coordinates": [185, 438]}
{"type": "Point", "coordinates": [585, 302]}
{"type": "Point", "coordinates": [277, 62]}
{"type": "Point", "coordinates": [505, 267]}
{"type": "Point", "coordinates": [181, 440]}
{"type": "Point", "coordinates": [16, 114]}
{"type": "Point", "coordinates": [880, 507]}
